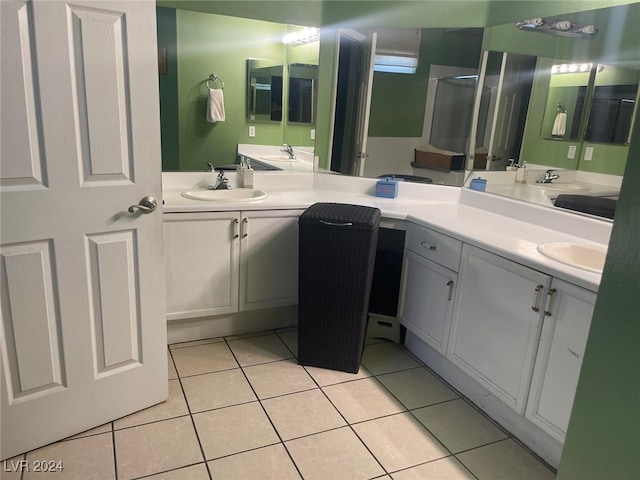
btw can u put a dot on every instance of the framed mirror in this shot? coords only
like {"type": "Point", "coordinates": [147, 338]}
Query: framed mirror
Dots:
{"type": "Point", "coordinates": [303, 93]}
{"type": "Point", "coordinates": [613, 103]}
{"type": "Point", "coordinates": [264, 90]}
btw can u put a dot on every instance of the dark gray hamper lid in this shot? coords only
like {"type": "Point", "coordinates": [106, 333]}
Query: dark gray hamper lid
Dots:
{"type": "Point", "coordinates": [341, 213]}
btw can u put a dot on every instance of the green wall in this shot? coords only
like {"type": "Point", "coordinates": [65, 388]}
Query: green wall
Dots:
{"type": "Point", "coordinates": [168, 84]}
{"type": "Point", "coordinates": [207, 43]}
{"type": "Point", "coordinates": [603, 439]}
{"type": "Point", "coordinates": [438, 46]}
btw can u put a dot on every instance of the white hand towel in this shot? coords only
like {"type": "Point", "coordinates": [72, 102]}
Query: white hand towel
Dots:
{"type": "Point", "coordinates": [215, 106]}
{"type": "Point", "coordinates": [559, 125]}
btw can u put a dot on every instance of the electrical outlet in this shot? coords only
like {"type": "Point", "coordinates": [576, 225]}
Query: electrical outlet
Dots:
{"type": "Point", "coordinates": [313, 134]}
{"type": "Point", "coordinates": [252, 131]}
{"type": "Point", "coordinates": [588, 153]}
{"type": "Point", "coordinates": [572, 152]}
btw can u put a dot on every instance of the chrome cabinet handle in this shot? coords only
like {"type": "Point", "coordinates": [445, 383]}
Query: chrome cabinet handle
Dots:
{"type": "Point", "coordinates": [450, 285]}
{"type": "Point", "coordinates": [550, 297]}
{"type": "Point", "coordinates": [236, 224]}
{"type": "Point", "coordinates": [145, 205]}
{"type": "Point", "coordinates": [536, 298]}
{"type": "Point", "coordinates": [427, 246]}
{"type": "Point", "coordinates": [245, 227]}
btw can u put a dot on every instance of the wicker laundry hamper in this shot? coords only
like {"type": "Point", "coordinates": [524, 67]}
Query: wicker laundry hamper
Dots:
{"type": "Point", "coordinates": [337, 255]}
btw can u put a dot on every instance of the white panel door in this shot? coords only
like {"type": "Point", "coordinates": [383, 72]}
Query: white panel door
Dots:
{"type": "Point", "coordinates": [426, 304]}
{"type": "Point", "coordinates": [364, 88]}
{"type": "Point", "coordinates": [201, 258]}
{"type": "Point", "coordinates": [82, 332]}
{"type": "Point", "coordinates": [496, 323]}
{"type": "Point", "coordinates": [562, 344]}
{"type": "Point", "coordinates": [269, 259]}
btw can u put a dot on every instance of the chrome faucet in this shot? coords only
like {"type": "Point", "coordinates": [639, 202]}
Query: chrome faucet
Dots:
{"type": "Point", "coordinates": [222, 182]}
{"type": "Point", "coordinates": [289, 150]}
{"type": "Point", "coordinates": [548, 177]}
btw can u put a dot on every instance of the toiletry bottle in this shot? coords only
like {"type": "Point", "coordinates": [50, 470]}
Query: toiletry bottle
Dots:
{"type": "Point", "coordinates": [521, 173]}
{"type": "Point", "coordinates": [247, 175]}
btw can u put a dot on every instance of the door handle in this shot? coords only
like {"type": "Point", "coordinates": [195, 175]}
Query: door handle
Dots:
{"type": "Point", "coordinates": [245, 227]}
{"type": "Point", "coordinates": [536, 298]}
{"type": "Point", "coordinates": [145, 205]}
{"type": "Point", "coordinates": [550, 296]}
{"type": "Point", "coordinates": [450, 285]}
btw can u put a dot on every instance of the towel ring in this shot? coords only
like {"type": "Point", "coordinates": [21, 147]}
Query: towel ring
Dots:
{"type": "Point", "coordinates": [212, 78]}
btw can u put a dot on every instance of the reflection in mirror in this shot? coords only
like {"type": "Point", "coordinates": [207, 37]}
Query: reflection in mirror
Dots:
{"type": "Point", "coordinates": [264, 90]}
{"type": "Point", "coordinates": [565, 101]}
{"type": "Point", "coordinates": [303, 92]}
{"type": "Point", "coordinates": [613, 103]}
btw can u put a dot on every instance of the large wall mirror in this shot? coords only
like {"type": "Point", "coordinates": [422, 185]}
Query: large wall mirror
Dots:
{"type": "Point", "coordinates": [303, 93]}
{"type": "Point", "coordinates": [264, 90]}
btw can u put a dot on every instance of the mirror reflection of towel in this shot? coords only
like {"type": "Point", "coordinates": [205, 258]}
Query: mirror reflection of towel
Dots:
{"type": "Point", "coordinates": [215, 106]}
{"type": "Point", "coordinates": [559, 125]}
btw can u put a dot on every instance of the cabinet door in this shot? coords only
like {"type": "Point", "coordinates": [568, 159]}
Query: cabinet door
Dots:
{"type": "Point", "coordinates": [426, 301]}
{"type": "Point", "coordinates": [496, 321]}
{"type": "Point", "coordinates": [563, 340]}
{"type": "Point", "coordinates": [269, 259]}
{"type": "Point", "coordinates": [201, 258]}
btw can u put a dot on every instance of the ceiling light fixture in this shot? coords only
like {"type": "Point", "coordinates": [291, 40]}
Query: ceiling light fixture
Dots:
{"type": "Point", "coordinates": [302, 37]}
{"type": "Point", "coordinates": [564, 28]}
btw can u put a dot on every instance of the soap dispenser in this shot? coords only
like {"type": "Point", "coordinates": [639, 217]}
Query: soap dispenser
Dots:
{"type": "Point", "coordinates": [521, 173]}
{"type": "Point", "coordinates": [247, 174]}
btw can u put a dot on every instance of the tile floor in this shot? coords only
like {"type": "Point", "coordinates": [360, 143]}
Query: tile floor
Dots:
{"type": "Point", "coordinates": [242, 408]}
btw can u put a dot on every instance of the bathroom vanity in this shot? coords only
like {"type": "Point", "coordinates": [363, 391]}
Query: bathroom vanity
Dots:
{"type": "Point", "coordinates": [482, 306]}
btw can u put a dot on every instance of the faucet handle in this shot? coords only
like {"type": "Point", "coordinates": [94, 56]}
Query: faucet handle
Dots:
{"type": "Point", "coordinates": [210, 165]}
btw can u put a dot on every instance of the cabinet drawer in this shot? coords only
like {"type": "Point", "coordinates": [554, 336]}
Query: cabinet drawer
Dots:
{"type": "Point", "coordinates": [435, 246]}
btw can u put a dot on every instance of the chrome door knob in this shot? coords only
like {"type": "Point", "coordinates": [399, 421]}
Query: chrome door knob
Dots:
{"type": "Point", "coordinates": [145, 205]}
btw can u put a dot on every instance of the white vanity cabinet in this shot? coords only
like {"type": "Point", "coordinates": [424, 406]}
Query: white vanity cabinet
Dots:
{"type": "Point", "coordinates": [568, 312]}
{"type": "Point", "coordinates": [496, 323]}
{"type": "Point", "coordinates": [428, 284]}
{"type": "Point", "coordinates": [269, 259]}
{"type": "Point", "coordinates": [224, 262]}
{"type": "Point", "coordinates": [201, 263]}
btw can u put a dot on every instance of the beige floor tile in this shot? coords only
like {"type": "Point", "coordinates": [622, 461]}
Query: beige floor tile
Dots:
{"type": "Point", "coordinates": [278, 378]}
{"type": "Point", "coordinates": [94, 431]}
{"type": "Point", "coordinates": [293, 328]}
{"type": "Point", "coordinates": [211, 357]}
{"type": "Point", "coordinates": [336, 454]}
{"type": "Point", "coordinates": [156, 447]}
{"type": "Point", "coordinates": [85, 458]}
{"type": "Point", "coordinates": [386, 357]}
{"type": "Point", "coordinates": [195, 343]}
{"type": "Point", "coordinates": [362, 400]}
{"type": "Point", "coordinates": [215, 390]}
{"type": "Point", "coordinates": [325, 376]}
{"type": "Point", "coordinates": [505, 460]}
{"type": "Point", "coordinates": [257, 350]}
{"type": "Point", "coordinates": [175, 406]}
{"type": "Point", "coordinates": [231, 430]}
{"type": "Point", "coordinates": [444, 469]}
{"type": "Point", "coordinates": [266, 463]}
{"type": "Point", "coordinates": [194, 472]}
{"type": "Point", "coordinates": [458, 425]}
{"type": "Point", "coordinates": [240, 336]}
{"type": "Point", "coordinates": [12, 468]}
{"type": "Point", "coordinates": [399, 441]}
{"type": "Point", "coordinates": [173, 373]}
{"type": "Point", "coordinates": [302, 414]}
{"type": "Point", "coordinates": [417, 388]}
{"type": "Point", "coordinates": [290, 338]}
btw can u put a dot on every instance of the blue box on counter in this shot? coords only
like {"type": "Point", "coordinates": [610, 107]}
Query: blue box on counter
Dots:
{"type": "Point", "coordinates": [387, 188]}
{"type": "Point", "coordinates": [479, 184]}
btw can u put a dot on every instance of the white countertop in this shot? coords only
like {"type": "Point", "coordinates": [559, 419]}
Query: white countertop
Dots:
{"type": "Point", "coordinates": [472, 217]}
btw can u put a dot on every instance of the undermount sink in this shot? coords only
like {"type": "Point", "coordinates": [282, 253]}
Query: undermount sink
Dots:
{"type": "Point", "coordinates": [231, 195]}
{"type": "Point", "coordinates": [278, 158]}
{"type": "Point", "coordinates": [572, 187]}
{"type": "Point", "coordinates": [586, 257]}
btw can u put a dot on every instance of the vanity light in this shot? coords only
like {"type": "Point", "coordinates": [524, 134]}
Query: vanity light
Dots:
{"type": "Point", "coordinates": [302, 37]}
{"type": "Point", "coordinates": [574, 68]}
{"type": "Point", "coordinates": [563, 28]}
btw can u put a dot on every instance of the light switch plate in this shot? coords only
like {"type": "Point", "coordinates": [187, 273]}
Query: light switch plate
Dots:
{"type": "Point", "coordinates": [572, 152]}
{"type": "Point", "coordinates": [313, 134]}
{"type": "Point", "coordinates": [588, 153]}
{"type": "Point", "coordinates": [252, 131]}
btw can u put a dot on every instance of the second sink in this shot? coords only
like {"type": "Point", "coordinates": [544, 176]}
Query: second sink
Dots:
{"type": "Point", "coordinates": [232, 195]}
{"type": "Point", "coordinates": [586, 257]}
